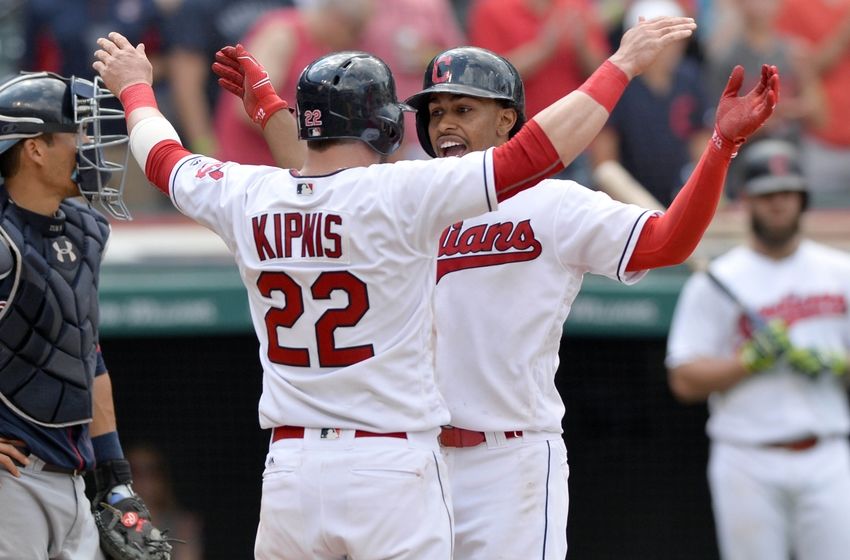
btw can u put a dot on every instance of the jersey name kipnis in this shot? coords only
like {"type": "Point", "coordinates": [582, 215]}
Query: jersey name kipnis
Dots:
{"type": "Point", "coordinates": [486, 245]}
{"type": "Point", "coordinates": [298, 235]}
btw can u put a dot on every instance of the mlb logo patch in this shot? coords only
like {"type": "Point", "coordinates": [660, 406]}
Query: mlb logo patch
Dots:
{"type": "Point", "coordinates": [304, 188]}
{"type": "Point", "coordinates": [316, 131]}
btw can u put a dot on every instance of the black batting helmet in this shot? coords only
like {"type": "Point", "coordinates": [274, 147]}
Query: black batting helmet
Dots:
{"type": "Point", "coordinates": [350, 95]}
{"type": "Point", "coordinates": [35, 103]}
{"type": "Point", "coordinates": [772, 166]}
{"type": "Point", "coordinates": [470, 71]}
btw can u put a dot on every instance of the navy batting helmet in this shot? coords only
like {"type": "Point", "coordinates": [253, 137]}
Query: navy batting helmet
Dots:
{"type": "Point", "coordinates": [34, 103]}
{"type": "Point", "coordinates": [470, 71]}
{"type": "Point", "coordinates": [350, 95]}
{"type": "Point", "coordinates": [772, 166]}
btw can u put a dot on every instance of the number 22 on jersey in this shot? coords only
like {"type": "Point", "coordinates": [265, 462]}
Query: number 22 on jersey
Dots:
{"type": "Point", "coordinates": [329, 354]}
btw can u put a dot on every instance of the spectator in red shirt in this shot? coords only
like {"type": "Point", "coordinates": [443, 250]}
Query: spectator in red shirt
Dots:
{"type": "Point", "coordinates": [824, 27]}
{"type": "Point", "coordinates": [285, 41]}
{"type": "Point", "coordinates": [554, 44]}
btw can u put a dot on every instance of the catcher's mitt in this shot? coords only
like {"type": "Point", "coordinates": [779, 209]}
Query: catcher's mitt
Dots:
{"type": "Point", "coordinates": [126, 531]}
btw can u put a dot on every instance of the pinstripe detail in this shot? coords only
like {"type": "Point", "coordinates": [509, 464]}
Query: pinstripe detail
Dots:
{"type": "Point", "coordinates": [486, 190]}
{"type": "Point", "coordinates": [546, 509]}
{"type": "Point", "coordinates": [628, 242]}
{"type": "Point", "coordinates": [173, 178]}
{"type": "Point", "coordinates": [448, 513]}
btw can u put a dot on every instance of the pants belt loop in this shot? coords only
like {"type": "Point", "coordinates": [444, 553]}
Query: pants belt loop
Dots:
{"type": "Point", "coordinates": [495, 439]}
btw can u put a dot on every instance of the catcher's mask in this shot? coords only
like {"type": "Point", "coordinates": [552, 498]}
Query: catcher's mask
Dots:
{"type": "Point", "coordinates": [350, 95]}
{"type": "Point", "coordinates": [473, 72]}
{"type": "Point", "coordinates": [33, 103]}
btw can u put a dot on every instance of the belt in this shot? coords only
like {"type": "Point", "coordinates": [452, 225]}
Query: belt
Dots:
{"type": "Point", "coordinates": [458, 437]}
{"type": "Point", "coordinates": [39, 465]}
{"type": "Point", "coordinates": [797, 444]}
{"type": "Point", "coordinates": [297, 432]}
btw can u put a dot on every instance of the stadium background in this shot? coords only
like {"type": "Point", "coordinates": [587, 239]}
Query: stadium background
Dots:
{"type": "Point", "coordinates": [178, 340]}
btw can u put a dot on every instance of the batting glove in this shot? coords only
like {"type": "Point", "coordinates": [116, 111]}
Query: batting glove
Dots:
{"type": "Point", "coordinates": [739, 117]}
{"type": "Point", "coordinates": [812, 362]}
{"type": "Point", "coordinates": [242, 75]}
{"type": "Point", "coordinates": [767, 345]}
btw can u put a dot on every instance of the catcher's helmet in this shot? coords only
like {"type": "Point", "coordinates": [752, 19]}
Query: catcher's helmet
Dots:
{"type": "Point", "coordinates": [470, 71]}
{"type": "Point", "coordinates": [34, 103]}
{"type": "Point", "coordinates": [771, 166]}
{"type": "Point", "coordinates": [350, 95]}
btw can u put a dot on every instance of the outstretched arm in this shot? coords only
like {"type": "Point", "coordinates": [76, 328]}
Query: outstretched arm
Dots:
{"type": "Point", "coordinates": [670, 239]}
{"type": "Point", "coordinates": [126, 72]}
{"type": "Point", "coordinates": [241, 74]}
{"type": "Point", "coordinates": [573, 121]}
{"type": "Point", "coordinates": [559, 133]}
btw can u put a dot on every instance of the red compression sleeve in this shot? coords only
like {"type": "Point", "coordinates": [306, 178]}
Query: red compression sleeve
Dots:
{"type": "Point", "coordinates": [161, 161]}
{"type": "Point", "coordinates": [525, 160]}
{"type": "Point", "coordinates": [669, 239]}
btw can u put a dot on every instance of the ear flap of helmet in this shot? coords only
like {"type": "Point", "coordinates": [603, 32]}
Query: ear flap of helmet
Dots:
{"type": "Point", "coordinates": [350, 95]}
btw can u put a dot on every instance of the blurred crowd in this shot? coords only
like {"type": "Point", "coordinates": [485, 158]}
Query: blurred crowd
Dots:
{"type": "Point", "coordinates": [655, 134]}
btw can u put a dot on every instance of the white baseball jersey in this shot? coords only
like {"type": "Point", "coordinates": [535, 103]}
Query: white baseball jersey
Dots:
{"type": "Point", "coordinates": [340, 271]}
{"type": "Point", "coordinates": [506, 282]}
{"type": "Point", "coordinates": [810, 290]}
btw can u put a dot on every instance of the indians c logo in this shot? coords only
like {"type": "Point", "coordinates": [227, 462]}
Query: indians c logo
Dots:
{"type": "Point", "coordinates": [486, 245]}
{"type": "Point", "coordinates": [442, 70]}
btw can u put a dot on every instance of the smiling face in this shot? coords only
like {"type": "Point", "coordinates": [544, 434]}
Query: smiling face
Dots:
{"type": "Point", "coordinates": [460, 124]}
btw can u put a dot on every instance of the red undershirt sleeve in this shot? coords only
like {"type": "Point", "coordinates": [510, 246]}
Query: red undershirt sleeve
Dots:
{"type": "Point", "coordinates": [161, 161]}
{"type": "Point", "coordinates": [669, 239]}
{"type": "Point", "coordinates": [525, 160]}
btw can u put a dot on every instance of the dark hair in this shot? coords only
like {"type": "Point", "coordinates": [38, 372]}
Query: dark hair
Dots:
{"type": "Point", "coordinates": [327, 143]}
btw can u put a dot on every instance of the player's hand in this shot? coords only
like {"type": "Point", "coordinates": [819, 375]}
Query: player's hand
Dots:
{"type": "Point", "coordinates": [767, 345]}
{"type": "Point", "coordinates": [812, 362]}
{"type": "Point", "coordinates": [739, 117]}
{"type": "Point", "coordinates": [11, 456]}
{"type": "Point", "coordinates": [242, 75]}
{"type": "Point", "coordinates": [120, 64]}
{"type": "Point", "coordinates": [641, 44]}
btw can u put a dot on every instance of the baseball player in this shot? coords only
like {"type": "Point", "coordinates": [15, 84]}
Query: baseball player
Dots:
{"type": "Point", "coordinates": [767, 344]}
{"type": "Point", "coordinates": [339, 259]}
{"type": "Point", "coordinates": [531, 255]}
{"type": "Point", "coordinates": [57, 418]}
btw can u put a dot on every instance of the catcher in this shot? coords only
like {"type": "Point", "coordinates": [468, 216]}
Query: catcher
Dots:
{"type": "Point", "coordinates": [57, 418]}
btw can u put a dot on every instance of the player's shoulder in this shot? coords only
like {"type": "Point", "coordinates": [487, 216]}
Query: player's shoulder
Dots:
{"type": "Point", "coordinates": [562, 188]}
{"type": "Point", "coordinates": [726, 267]}
{"type": "Point", "coordinates": [732, 264]}
{"type": "Point", "coordinates": [825, 253]}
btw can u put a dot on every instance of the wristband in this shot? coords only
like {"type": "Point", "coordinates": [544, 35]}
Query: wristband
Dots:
{"type": "Point", "coordinates": [723, 144]}
{"type": "Point", "coordinates": [107, 447]}
{"type": "Point", "coordinates": [136, 96]}
{"type": "Point", "coordinates": [606, 85]}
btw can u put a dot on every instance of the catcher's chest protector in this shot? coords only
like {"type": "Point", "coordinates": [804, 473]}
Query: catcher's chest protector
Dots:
{"type": "Point", "coordinates": [48, 328]}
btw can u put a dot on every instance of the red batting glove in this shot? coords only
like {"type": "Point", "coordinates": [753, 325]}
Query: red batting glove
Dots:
{"type": "Point", "coordinates": [239, 73]}
{"type": "Point", "coordinates": [739, 117]}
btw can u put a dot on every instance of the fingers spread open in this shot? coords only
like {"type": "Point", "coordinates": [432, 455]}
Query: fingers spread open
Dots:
{"type": "Point", "coordinates": [120, 41]}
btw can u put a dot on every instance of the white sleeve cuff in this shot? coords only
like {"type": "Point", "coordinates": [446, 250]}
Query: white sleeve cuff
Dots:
{"type": "Point", "coordinates": [148, 133]}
